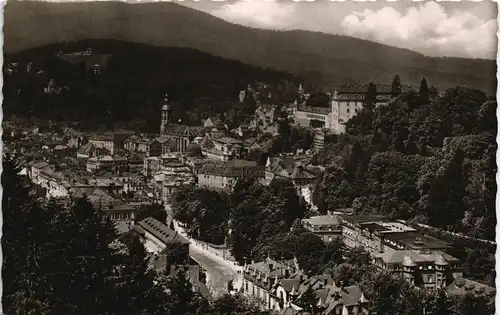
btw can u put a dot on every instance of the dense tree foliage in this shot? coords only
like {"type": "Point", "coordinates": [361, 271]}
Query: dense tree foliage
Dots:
{"type": "Point", "coordinates": [204, 211]}
{"type": "Point", "coordinates": [199, 86]}
{"type": "Point", "coordinates": [67, 259]}
{"type": "Point", "coordinates": [431, 162]}
{"type": "Point", "coordinates": [290, 138]}
{"type": "Point", "coordinates": [154, 210]}
{"type": "Point", "coordinates": [251, 216]}
{"type": "Point", "coordinates": [390, 294]}
{"type": "Point", "coordinates": [237, 305]}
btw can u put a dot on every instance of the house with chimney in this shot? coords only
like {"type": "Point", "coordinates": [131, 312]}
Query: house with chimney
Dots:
{"type": "Point", "coordinates": [278, 285]}
{"type": "Point", "coordinates": [399, 248]}
{"type": "Point", "coordinates": [223, 176]}
{"type": "Point", "coordinates": [327, 227]}
{"type": "Point", "coordinates": [261, 281]}
{"type": "Point", "coordinates": [105, 141]}
{"type": "Point", "coordinates": [332, 299]}
{"type": "Point", "coordinates": [287, 167]}
{"type": "Point", "coordinates": [347, 100]}
{"type": "Point", "coordinates": [136, 144]}
{"type": "Point", "coordinates": [223, 149]}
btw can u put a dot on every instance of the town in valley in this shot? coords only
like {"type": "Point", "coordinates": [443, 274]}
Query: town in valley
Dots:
{"type": "Point", "coordinates": [264, 193]}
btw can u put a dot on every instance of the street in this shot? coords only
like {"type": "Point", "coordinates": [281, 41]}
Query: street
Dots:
{"type": "Point", "coordinates": [218, 273]}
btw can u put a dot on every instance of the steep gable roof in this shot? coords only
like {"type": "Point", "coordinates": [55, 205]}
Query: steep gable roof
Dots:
{"type": "Point", "coordinates": [161, 231]}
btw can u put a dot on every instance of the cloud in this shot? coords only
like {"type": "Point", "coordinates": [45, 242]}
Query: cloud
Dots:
{"type": "Point", "coordinates": [258, 13]}
{"type": "Point", "coordinates": [427, 28]}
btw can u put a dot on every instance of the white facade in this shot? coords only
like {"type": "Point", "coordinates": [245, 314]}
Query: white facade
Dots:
{"type": "Point", "coordinates": [153, 244]}
{"type": "Point", "coordinates": [213, 181]}
{"type": "Point", "coordinates": [104, 144]}
{"type": "Point", "coordinates": [342, 111]}
{"type": "Point", "coordinates": [303, 117]}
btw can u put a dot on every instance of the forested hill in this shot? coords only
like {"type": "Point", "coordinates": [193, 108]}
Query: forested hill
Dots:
{"type": "Point", "coordinates": [321, 58]}
{"type": "Point", "coordinates": [131, 87]}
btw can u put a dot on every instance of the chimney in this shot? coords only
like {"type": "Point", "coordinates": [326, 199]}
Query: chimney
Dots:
{"type": "Point", "coordinates": [381, 245]}
{"type": "Point", "coordinates": [132, 218]}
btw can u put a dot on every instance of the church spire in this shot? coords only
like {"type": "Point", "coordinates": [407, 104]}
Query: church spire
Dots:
{"type": "Point", "coordinates": [166, 114]}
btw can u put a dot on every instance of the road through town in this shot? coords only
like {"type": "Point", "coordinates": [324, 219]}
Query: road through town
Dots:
{"type": "Point", "coordinates": [218, 273]}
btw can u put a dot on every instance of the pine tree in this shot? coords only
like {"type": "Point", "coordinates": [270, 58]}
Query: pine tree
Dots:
{"type": "Point", "coordinates": [424, 92]}
{"type": "Point", "coordinates": [447, 191]}
{"type": "Point", "coordinates": [371, 96]}
{"type": "Point", "coordinates": [89, 273]}
{"type": "Point", "coordinates": [133, 263]}
{"type": "Point", "coordinates": [396, 86]}
{"type": "Point", "coordinates": [24, 228]}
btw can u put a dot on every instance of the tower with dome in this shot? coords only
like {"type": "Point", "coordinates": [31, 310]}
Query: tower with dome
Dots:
{"type": "Point", "coordinates": [166, 114]}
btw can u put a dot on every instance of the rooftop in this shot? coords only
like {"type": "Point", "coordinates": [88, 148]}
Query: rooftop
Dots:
{"type": "Point", "coordinates": [234, 169]}
{"type": "Point", "coordinates": [415, 256]}
{"type": "Point", "coordinates": [315, 110]}
{"type": "Point", "coordinates": [323, 220]}
{"type": "Point", "coordinates": [416, 240]}
{"type": "Point", "coordinates": [462, 285]}
{"type": "Point", "coordinates": [161, 231]}
{"type": "Point", "coordinates": [362, 88]}
{"type": "Point", "coordinates": [228, 140]}
{"type": "Point", "coordinates": [358, 219]}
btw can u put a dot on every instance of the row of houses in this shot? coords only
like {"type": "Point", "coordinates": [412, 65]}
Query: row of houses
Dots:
{"type": "Point", "coordinates": [279, 285]}
{"type": "Point", "coordinates": [345, 102]}
{"type": "Point", "coordinates": [223, 176]}
{"type": "Point", "coordinates": [158, 240]}
{"type": "Point", "coordinates": [399, 248]}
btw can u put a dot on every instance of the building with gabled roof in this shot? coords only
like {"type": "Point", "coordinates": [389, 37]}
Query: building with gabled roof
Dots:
{"type": "Point", "coordinates": [223, 176]}
{"type": "Point", "coordinates": [157, 235]}
{"type": "Point", "coordinates": [313, 116]}
{"type": "Point", "coordinates": [327, 227]}
{"type": "Point", "coordinates": [462, 286]}
{"type": "Point", "coordinates": [278, 285]}
{"type": "Point", "coordinates": [262, 281]}
{"type": "Point", "coordinates": [422, 268]}
{"type": "Point", "coordinates": [348, 100]}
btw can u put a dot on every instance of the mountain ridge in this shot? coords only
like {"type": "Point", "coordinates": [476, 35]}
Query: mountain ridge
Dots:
{"type": "Point", "coordinates": [319, 57]}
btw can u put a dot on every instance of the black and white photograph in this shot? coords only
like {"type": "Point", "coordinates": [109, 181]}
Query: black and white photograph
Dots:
{"type": "Point", "coordinates": [249, 157]}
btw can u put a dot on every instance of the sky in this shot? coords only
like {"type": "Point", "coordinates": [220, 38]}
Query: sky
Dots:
{"type": "Point", "coordinates": [457, 29]}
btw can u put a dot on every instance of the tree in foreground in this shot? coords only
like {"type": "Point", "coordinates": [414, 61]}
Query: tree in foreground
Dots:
{"type": "Point", "coordinates": [371, 96]}
{"type": "Point", "coordinates": [154, 210]}
{"type": "Point", "coordinates": [396, 86]}
{"type": "Point", "coordinates": [423, 92]}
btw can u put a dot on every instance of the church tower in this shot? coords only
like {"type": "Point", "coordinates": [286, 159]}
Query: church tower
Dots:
{"type": "Point", "coordinates": [166, 114]}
